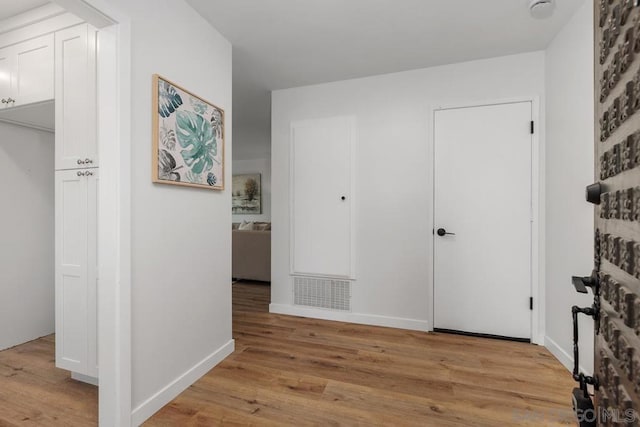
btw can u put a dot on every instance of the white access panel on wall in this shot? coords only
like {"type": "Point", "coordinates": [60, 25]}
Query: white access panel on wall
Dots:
{"type": "Point", "coordinates": [322, 155]}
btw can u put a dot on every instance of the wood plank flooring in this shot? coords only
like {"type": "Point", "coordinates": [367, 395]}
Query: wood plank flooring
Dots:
{"type": "Point", "coordinates": [295, 371]}
{"type": "Point", "coordinates": [33, 392]}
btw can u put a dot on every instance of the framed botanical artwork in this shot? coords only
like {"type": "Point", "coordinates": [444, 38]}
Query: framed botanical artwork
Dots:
{"type": "Point", "coordinates": [188, 138]}
{"type": "Point", "coordinates": [247, 197]}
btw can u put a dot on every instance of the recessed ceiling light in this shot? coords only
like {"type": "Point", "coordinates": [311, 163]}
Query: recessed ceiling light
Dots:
{"type": "Point", "coordinates": [541, 9]}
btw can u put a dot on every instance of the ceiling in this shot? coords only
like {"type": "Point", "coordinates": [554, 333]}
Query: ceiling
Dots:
{"type": "Point", "coordinates": [286, 43]}
{"type": "Point", "coordinates": [9, 8]}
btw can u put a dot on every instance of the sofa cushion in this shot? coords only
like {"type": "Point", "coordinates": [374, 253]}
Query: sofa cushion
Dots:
{"type": "Point", "coordinates": [262, 226]}
{"type": "Point", "coordinates": [246, 226]}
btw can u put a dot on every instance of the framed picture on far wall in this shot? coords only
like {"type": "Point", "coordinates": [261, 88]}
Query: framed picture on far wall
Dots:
{"type": "Point", "coordinates": [247, 194]}
{"type": "Point", "coordinates": [188, 138]}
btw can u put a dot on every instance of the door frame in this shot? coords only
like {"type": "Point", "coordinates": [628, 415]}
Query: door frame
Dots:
{"type": "Point", "coordinates": [537, 206]}
{"type": "Point", "coordinates": [114, 225]}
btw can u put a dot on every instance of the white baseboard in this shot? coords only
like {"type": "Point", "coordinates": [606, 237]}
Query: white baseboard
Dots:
{"type": "Point", "coordinates": [363, 319]}
{"type": "Point", "coordinates": [152, 405]}
{"type": "Point", "coordinates": [563, 356]}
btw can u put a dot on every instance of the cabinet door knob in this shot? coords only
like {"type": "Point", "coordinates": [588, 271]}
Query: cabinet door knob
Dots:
{"type": "Point", "coordinates": [81, 162]}
{"type": "Point", "coordinates": [88, 161]}
{"type": "Point", "coordinates": [88, 173]}
{"type": "Point", "coordinates": [80, 173]}
{"type": "Point", "coordinates": [10, 100]}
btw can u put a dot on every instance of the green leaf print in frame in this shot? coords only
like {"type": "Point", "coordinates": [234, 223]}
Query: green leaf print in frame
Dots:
{"type": "Point", "coordinates": [195, 135]}
{"type": "Point", "coordinates": [168, 99]}
{"type": "Point", "coordinates": [188, 138]}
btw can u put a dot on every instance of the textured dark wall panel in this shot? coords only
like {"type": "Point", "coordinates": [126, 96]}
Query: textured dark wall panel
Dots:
{"type": "Point", "coordinates": [617, 147]}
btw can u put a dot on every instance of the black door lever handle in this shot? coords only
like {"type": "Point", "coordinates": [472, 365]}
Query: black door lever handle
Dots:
{"type": "Point", "coordinates": [578, 283]}
{"type": "Point", "coordinates": [593, 193]}
{"type": "Point", "coordinates": [442, 232]}
{"type": "Point", "coordinates": [582, 283]}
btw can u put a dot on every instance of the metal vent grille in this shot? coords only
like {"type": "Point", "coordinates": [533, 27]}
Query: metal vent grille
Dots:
{"type": "Point", "coordinates": [323, 293]}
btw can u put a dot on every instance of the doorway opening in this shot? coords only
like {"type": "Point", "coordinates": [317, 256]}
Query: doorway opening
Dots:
{"type": "Point", "coordinates": [73, 47]}
{"type": "Point", "coordinates": [50, 167]}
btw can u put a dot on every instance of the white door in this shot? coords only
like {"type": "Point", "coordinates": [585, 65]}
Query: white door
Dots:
{"type": "Point", "coordinates": [321, 197]}
{"type": "Point", "coordinates": [482, 272]}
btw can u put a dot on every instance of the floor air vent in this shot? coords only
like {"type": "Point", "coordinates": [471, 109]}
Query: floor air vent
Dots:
{"type": "Point", "coordinates": [323, 293]}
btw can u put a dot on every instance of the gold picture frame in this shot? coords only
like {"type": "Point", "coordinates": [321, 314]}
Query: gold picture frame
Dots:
{"type": "Point", "coordinates": [188, 138]}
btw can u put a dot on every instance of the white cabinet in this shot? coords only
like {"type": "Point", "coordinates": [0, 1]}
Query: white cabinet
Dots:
{"type": "Point", "coordinates": [76, 193]}
{"type": "Point", "coordinates": [75, 101]}
{"type": "Point", "coordinates": [322, 197]}
{"type": "Point", "coordinates": [76, 164]}
{"type": "Point", "coordinates": [27, 72]}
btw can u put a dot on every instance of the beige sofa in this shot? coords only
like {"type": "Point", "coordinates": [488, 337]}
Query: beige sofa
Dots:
{"type": "Point", "coordinates": [251, 254]}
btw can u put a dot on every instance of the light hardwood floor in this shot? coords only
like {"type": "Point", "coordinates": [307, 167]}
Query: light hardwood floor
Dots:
{"type": "Point", "coordinates": [33, 392]}
{"type": "Point", "coordinates": [296, 371]}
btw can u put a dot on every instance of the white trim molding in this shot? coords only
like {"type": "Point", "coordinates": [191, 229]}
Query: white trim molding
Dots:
{"type": "Point", "coordinates": [563, 357]}
{"type": "Point", "coordinates": [30, 17]}
{"type": "Point", "coordinates": [114, 299]}
{"type": "Point", "coordinates": [180, 384]}
{"type": "Point", "coordinates": [359, 318]}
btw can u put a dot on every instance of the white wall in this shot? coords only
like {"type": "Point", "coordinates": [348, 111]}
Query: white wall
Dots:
{"type": "Point", "coordinates": [263, 167]}
{"type": "Point", "coordinates": [252, 143]}
{"type": "Point", "coordinates": [27, 229]}
{"type": "Point", "coordinates": [393, 174]}
{"type": "Point", "coordinates": [569, 168]}
{"type": "Point", "coordinates": [181, 237]}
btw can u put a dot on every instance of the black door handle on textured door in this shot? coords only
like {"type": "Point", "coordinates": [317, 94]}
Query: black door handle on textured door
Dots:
{"type": "Point", "coordinates": [442, 232]}
{"type": "Point", "coordinates": [593, 193]}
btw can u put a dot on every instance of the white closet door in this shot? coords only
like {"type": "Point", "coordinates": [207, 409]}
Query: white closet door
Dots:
{"type": "Point", "coordinates": [33, 77]}
{"type": "Point", "coordinates": [71, 271]}
{"type": "Point", "coordinates": [482, 272]}
{"type": "Point", "coordinates": [321, 192]}
{"type": "Point", "coordinates": [75, 86]}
